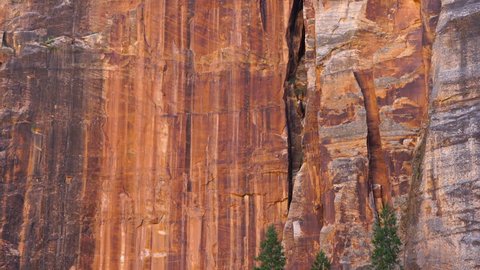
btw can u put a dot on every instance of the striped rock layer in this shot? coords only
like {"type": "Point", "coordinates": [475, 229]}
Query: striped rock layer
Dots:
{"type": "Point", "coordinates": [151, 134]}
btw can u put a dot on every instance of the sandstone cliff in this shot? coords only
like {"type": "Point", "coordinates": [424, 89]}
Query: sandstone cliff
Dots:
{"type": "Point", "coordinates": [151, 134]}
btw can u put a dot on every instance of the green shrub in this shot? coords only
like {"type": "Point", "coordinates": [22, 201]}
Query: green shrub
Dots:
{"type": "Point", "coordinates": [385, 241]}
{"type": "Point", "coordinates": [321, 262]}
{"type": "Point", "coordinates": [271, 252]}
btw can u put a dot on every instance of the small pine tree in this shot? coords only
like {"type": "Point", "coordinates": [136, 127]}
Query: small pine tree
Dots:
{"type": "Point", "coordinates": [271, 252]}
{"type": "Point", "coordinates": [385, 241]}
{"type": "Point", "coordinates": [321, 262]}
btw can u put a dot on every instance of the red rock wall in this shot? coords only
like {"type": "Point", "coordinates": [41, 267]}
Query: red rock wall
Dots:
{"type": "Point", "coordinates": [153, 134]}
{"type": "Point", "coordinates": [51, 121]}
{"type": "Point", "coordinates": [142, 134]}
{"type": "Point", "coordinates": [194, 154]}
{"type": "Point", "coordinates": [366, 102]}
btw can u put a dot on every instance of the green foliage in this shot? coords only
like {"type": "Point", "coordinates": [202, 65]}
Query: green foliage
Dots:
{"type": "Point", "coordinates": [49, 43]}
{"type": "Point", "coordinates": [292, 80]}
{"type": "Point", "coordinates": [321, 262]}
{"type": "Point", "coordinates": [385, 241]}
{"type": "Point", "coordinates": [300, 91]}
{"type": "Point", "coordinates": [271, 252]}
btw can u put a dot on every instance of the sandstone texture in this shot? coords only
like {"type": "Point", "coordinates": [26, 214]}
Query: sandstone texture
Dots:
{"type": "Point", "coordinates": [150, 134]}
{"type": "Point", "coordinates": [445, 232]}
{"type": "Point", "coordinates": [141, 134]}
{"type": "Point", "coordinates": [366, 103]}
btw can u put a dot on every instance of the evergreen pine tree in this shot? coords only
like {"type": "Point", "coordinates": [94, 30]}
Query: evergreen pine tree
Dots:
{"type": "Point", "coordinates": [385, 241]}
{"type": "Point", "coordinates": [321, 262]}
{"type": "Point", "coordinates": [271, 252]}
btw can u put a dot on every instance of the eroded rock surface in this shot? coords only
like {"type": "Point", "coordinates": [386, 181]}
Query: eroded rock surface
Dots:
{"type": "Point", "coordinates": [374, 100]}
{"type": "Point", "coordinates": [445, 231]}
{"type": "Point", "coordinates": [153, 134]}
{"type": "Point", "coordinates": [142, 134]}
{"type": "Point", "coordinates": [366, 102]}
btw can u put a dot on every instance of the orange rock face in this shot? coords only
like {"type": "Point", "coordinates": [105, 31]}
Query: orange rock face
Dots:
{"type": "Point", "coordinates": [366, 102]}
{"type": "Point", "coordinates": [151, 134]}
{"type": "Point", "coordinates": [142, 134]}
{"type": "Point", "coordinates": [194, 155]}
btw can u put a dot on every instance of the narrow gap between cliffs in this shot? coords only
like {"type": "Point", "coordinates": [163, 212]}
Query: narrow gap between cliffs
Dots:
{"type": "Point", "coordinates": [295, 90]}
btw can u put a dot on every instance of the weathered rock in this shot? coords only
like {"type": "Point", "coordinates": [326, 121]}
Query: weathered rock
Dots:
{"type": "Point", "coordinates": [142, 134]}
{"type": "Point", "coordinates": [9, 256]}
{"type": "Point", "coordinates": [366, 101]}
{"type": "Point", "coordinates": [153, 134]}
{"type": "Point", "coordinates": [445, 232]}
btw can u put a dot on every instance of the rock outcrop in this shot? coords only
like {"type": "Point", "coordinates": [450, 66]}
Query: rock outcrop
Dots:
{"type": "Point", "coordinates": [142, 134]}
{"type": "Point", "coordinates": [367, 85]}
{"type": "Point", "coordinates": [445, 227]}
{"type": "Point", "coordinates": [152, 134]}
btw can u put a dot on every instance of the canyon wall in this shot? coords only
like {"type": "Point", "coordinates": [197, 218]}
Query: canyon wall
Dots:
{"type": "Point", "coordinates": [151, 134]}
{"type": "Point", "coordinates": [366, 65]}
{"type": "Point", "coordinates": [141, 134]}
{"type": "Point", "coordinates": [445, 228]}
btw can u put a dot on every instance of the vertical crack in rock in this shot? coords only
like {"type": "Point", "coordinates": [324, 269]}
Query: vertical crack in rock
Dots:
{"type": "Point", "coordinates": [295, 92]}
{"type": "Point", "coordinates": [409, 218]}
{"type": "Point", "coordinates": [429, 11]}
{"type": "Point", "coordinates": [6, 48]}
{"type": "Point", "coordinates": [377, 168]}
{"type": "Point", "coordinates": [4, 39]}
{"type": "Point", "coordinates": [263, 13]}
{"type": "Point", "coordinates": [188, 105]}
